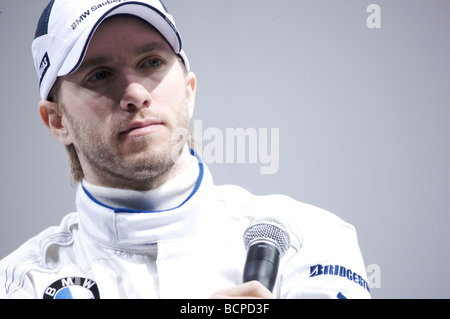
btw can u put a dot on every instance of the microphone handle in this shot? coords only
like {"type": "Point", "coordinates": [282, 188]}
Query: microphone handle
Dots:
{"type": "Point", "coordinates": [262, 264]}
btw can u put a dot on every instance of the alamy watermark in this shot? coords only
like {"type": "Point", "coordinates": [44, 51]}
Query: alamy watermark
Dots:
{"type": "Point", "coordinates": [374, 275]}
{"type": "Point", "coordinates": [258, 146]}
{"type": "Point", "coordinates": [373, 21]}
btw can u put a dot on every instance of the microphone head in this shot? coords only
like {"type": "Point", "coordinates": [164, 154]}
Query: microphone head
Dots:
{"type": "Point", "coordinates": [267, 230]}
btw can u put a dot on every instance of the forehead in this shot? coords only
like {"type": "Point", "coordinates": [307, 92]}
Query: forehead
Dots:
{"type": "Point", "coordinates": [125, 22]}
{"type": "Point", "coordinates": [125, 34]}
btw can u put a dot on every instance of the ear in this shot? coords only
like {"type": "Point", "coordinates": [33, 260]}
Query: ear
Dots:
{"type": "Point", "coordinates": [53, 119]}
{"type": "Point", "coordinates": [191, 86]}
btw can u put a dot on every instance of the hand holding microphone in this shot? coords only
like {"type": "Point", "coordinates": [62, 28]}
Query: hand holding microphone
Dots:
{"type": "Point", "coordinates": [266, 241]}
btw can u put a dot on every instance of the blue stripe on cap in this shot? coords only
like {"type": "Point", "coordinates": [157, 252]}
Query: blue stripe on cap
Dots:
{"type": "Point", "coordinates": [42, 27]}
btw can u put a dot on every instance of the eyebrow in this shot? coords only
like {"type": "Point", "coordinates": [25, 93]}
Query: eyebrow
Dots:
{"type": "Point", "coordinates": [154, 46]}
{"type": "Point", "coordinates": [147, 48]}
{"type": "Point", "coordinates": [93, 62]}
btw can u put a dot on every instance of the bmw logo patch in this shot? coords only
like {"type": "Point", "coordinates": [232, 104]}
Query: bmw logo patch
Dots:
{"type": "Point", "coordinates": [72, 288]}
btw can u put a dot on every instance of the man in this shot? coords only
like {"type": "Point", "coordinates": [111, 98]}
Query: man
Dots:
{"type": "Point", "coordinates": [117, 91]}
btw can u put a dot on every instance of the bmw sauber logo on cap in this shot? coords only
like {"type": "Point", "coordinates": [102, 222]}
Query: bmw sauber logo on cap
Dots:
{"type": "Point", "coordinates": [72, 288]}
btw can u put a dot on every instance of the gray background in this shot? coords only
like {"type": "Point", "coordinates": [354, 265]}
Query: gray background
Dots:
{"type": "Point", "coordinates": [364, 119]}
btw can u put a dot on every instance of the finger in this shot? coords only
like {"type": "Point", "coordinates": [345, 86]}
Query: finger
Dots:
{"type": "Point", "coordinates": [252, 289]}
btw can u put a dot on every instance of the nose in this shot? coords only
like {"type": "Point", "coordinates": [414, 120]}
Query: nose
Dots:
{"type": "Point", "coordinates": [135, 95]}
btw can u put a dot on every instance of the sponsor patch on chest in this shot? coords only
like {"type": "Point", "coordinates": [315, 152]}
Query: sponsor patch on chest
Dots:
{"type": "Point", "coordinates": [72, 288]}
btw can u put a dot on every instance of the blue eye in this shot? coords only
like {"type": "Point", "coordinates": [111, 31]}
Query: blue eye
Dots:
{"type": "Point", "coordinates": [154, 62]}
{"type": "Point", "coordinates": [99, 76]}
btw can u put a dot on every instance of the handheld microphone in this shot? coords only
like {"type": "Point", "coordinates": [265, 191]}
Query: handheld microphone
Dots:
{"type": "Point", "coordinates": [266, 241]}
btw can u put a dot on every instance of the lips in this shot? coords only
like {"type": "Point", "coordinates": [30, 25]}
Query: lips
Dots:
{"type": "Point", "coordinates": [141, 127]}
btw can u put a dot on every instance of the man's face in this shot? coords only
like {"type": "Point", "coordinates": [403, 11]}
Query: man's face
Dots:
{"type": "Point", "coordinates": [122, 106]}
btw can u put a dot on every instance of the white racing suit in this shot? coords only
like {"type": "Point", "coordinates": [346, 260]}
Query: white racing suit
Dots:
{"type": "Point", "coordinates": [190, 251]}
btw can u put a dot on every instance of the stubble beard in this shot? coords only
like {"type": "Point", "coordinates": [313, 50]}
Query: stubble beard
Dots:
{"type": "Point", "coordinates": [143, 171]}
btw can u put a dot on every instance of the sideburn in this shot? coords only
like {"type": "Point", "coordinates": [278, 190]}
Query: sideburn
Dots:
{"type": "Point", "coordinates": [72, 156]}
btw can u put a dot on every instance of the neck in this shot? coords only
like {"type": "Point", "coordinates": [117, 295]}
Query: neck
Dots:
{"type": "Point", "coordinates": [166, 196]}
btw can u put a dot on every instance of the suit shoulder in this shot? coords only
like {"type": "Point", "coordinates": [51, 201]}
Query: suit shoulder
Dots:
{"type": "Point", "coordinates": [276, 204]}
{"type": "Point", "coordinates": [34, 255]}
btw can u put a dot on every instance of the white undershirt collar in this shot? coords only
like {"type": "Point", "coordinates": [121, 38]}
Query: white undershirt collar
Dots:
{"type": "Point", "coordinates": [128, 228]}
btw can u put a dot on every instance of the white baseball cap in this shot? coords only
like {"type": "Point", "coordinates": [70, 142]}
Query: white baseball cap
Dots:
{"type": "Point", "coordinates": [66, 27]}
